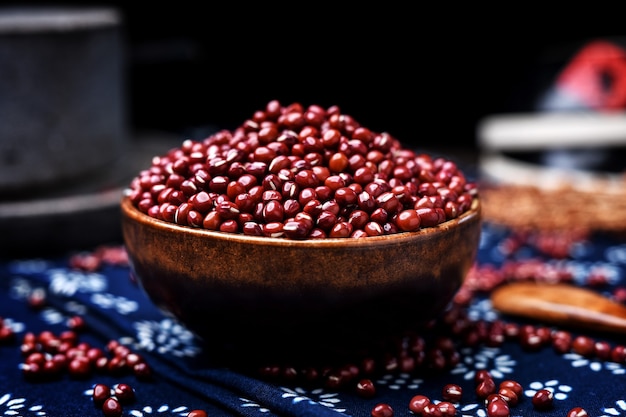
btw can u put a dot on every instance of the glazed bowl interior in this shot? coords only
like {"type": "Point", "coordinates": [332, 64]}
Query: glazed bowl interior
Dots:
{"type": "Point", "coordinates": [278, 297]}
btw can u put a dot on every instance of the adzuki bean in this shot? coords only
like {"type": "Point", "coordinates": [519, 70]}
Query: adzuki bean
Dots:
{"type": "Point", "coordinates": [452, 392]}
{"type": "Point", "coordinates": [197, 413]}
{"type": "Point", "coordinates": [497, 407]}
{"type": "Point", "coordinates": [101, 393]}
{"type": "Point", "coordinates": [286, 161]}
{"type": "Point", "coordinates": [365, 388]}
{"type": "Point", "coordinates": [112, 408]}
{"type": "Point", "coordinates": [418, 403]}
{"type": "Point", "coordinates": [48, 356]}
{"type": "Point", "coordinates": [382, 410]}
{"type": "Point", "coordinates": [543, 399]}
{"type": "Point", "coordinates": [577, 412]}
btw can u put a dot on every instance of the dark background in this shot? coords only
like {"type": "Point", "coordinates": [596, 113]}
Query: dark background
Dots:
{"type": "Point", "coordinates": [425, 73]}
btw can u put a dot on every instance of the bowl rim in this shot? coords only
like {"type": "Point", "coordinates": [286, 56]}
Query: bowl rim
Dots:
{"type": "Point", "coordinates": [131, 212]}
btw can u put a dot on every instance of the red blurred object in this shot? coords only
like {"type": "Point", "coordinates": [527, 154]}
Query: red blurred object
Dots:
{"type": "Point", "coordinates": [594, 79]}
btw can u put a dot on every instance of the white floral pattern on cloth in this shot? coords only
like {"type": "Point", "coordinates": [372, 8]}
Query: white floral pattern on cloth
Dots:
{"type": "Point", "coordinates": [476, 410]}
{"type": "Point", "coordinates": [15, 326]}
{"type": "Point", "coordinates": [579, 361]}
{"type": "Point", "coordinates": [68, 282]}
{"type": "Point", "coordinates": [118, 303]}
{"type": "Point", "coordinates": [18, 407]}
{"type": "Point", "coordinates": [482, 310]}
{"type": "Point", "coordinates": [20, 288]}
{"type": "Point", "coordinates": [560, 391]}
{"type": "Point", "coordinates": [52, 316]}
{"type": "Point", "coordinates": [581, 270]}
{"type": "Point", "coordinates": [166, 337]}
{"type": "Point", "coordinates": [488, 358]}
{"type": "Point", "coordinates": [616, 254]}
{"type": "Point", "coordinates": [319, 396]}
{"type": "Point", "coordinates": [611, 273]}
{"type": "Point", "coordinates": [402, 381]}
{"type": "Point", "coordinates": [162, 411]}
{"type": "Point", "coordinates": [618, 410]}
{"type": "Point", "coordinates": [246, 403]}
{"type": "Point", "coordinates": [29, 266]}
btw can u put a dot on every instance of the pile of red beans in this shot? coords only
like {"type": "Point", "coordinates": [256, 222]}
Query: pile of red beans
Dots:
{"type": "Point", "coordinates": [498, 399]}
{"type": "Point", "coordinates": [49, 356]}
{"type": "Point", "coordinates": [301, 173]}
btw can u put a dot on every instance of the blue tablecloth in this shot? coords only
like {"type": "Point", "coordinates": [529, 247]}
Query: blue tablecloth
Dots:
{"type": "Point", "coordinates": [115, 308]}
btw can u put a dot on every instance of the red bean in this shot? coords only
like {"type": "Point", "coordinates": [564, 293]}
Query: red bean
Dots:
{"type": "Point", "coordinates": [37, 298]}
{"type": "Point", "coordinates": [417, 403]}
{"type": "Point", "coordinates": [452, 392]}
{"type": "Point", "coordinates": [36, 358]}
{"type": "Point", "coordinates": [358, 219]}
{"type": "Point", "coordinates": [543, 399]}
{"type": "Point", "coordinates": [345, 196]}
{"type": "Point", "coordinates": [446, 409]}
{"type": "Point", "coordinates": [100, 393]}
{"type": "Point", "coordinates": [365, 388]}
{"type": "Point", "coordinates": [618, 354]}
{"type": "Point", "coordinates": [482, 375]}
{"type": "Point", "coordinates": [341, 229]}
{"type": "Point", "coordinates": [583, 345]}
{"type": "Point", "coordinates": [577, 412]}
{"type": "Point", "coordinates": [602, 350]}
{"type": "Point", "coordinates": [7, 335]}
{"type": "Point", "coordinates": [514, 386]}
{"type": "Point", "coordinates": [80, 367]}
{"type": "Point", "coordinates": [111, 408]}
{"type": "Point", "coordinates": [142, 371]}
{"type": "Point", "coordinates": [431, 410]}
{"type": "Point", "coordinates": [295, 230]}
{"type": "Point", "coordinates": [382, 410]}
{"type": "Point", "coordinates": [561, 341]}
{"type": "Point", "coordinates": [509, 396]}
{"type": "Point", "coordinates": [498, 407]}
{"type": "Point", "coordinates": [485, 387]}
{"type": "Point", "coordinates": [124, 393]}
{"type": "Point", "coordinates": [300, 155]}
{"type": "Point", "coordinates": [408, 220]}
{"type": "Point", "coordinates": [197, 413]}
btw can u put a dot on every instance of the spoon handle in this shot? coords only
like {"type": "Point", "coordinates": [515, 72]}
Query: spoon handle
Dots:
{"type": "Point", "coordinates": [561, 304]}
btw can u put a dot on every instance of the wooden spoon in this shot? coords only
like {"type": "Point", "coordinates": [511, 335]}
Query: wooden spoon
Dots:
{"type": "Point", "coordinates": [561, 304]}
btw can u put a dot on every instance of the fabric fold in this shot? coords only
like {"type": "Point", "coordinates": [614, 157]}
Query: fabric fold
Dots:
{"type": "Point", "coordinates": [114, 307]}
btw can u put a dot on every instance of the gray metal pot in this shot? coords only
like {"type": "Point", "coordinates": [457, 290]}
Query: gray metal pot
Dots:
{"type": "Point", "coordinates": [62, 96]}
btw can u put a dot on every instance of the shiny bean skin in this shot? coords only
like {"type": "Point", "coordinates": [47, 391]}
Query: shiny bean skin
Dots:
{"type": "Point", "coordinates": [287, 156]}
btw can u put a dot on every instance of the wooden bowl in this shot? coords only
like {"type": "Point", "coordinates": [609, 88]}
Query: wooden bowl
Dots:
{"type": "Point", "coordinates": [275, 297]}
